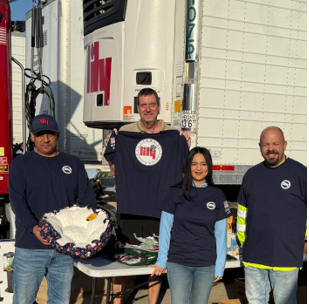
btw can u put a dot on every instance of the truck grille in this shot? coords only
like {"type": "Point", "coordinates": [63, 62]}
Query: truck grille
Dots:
{"type": "Point", "coordinates": [101, 13]}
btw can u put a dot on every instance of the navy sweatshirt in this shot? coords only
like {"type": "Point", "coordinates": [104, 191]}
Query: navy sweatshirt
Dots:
{"type": "Point", "coordinates": [146, 165]}
{"type": "Point", "coordinates": [193, 241]}
{"type": "Point", "coordinates": [276, 202]}
{"type": "Point", "coordinates": [39, 184]}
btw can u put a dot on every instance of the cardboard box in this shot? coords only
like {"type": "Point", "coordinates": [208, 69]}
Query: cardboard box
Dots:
{"type": "Point", "coordinates": [240, 291]}
{"type": "Point", "coordinates": [301, 291]}
{"type": "Point", "coordinates": [235, 301]}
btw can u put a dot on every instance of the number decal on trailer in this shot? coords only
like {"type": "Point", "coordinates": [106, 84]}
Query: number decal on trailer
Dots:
{"type": "Point", "coordinates": [191, 15]}
{"type": "Point", "coordinates": [188, 119]}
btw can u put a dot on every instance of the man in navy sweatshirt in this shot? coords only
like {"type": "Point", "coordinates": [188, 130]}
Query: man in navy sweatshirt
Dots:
{"type": "Point", "coordinates": [42, 181]}
{"type": "Point", "coordinates": [271, 222]}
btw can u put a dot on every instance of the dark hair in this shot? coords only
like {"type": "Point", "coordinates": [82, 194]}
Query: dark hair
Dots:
{"type": "Point", "coordinates": [186, 183]}
{"type": "Point", "coordinates": [146, 92]}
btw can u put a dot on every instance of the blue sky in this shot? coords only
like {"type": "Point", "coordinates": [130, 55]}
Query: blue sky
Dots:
{"type": "Point", "coordinates": [19, 8]}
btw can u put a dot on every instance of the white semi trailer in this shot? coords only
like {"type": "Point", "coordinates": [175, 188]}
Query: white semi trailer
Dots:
{"type": "Point", "coordinates": [224, 70]}
{"type": "Point", "coordinates": [18, 52]}
{"type": "Point", "coordinates": [63, 63]}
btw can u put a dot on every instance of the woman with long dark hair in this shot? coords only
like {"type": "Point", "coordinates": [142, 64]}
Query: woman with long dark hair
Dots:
{"type": "Point", "coordinates": [193, 231]}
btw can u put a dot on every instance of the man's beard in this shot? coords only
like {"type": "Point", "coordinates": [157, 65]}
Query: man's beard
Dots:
{"type": "Point", "coordinates": [273, 161]}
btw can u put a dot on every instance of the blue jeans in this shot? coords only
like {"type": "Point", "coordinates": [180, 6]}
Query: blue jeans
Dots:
{"type": "Point", "coordinates": [31, 265]}
{"type": "Point", "coordinates": [260, 281]}
{"type": "Point", "coordinates": [190, 284]}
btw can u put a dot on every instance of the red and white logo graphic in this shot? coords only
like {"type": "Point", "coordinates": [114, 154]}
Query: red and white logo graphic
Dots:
{"type": "Point", "coordinates": [44, 121]}
{"type": "Point", "coordinates": [227, 207]}
{"type": "Point", "coordinates": [99, 72]}
{"type": "Point", "coordinates": [148, 152]}
{"type": "Point", "coordinates": [3, 160]}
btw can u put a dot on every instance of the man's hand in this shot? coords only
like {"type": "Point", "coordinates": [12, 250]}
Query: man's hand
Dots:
{"type": "Point", "coordinates": [109, 136]}
{"type": "Point", "coordinates": [157, 271]}
{"type": "Point", "coordinates": [37, 232]}
{"type": "Point", "coordinates": [188, 138]}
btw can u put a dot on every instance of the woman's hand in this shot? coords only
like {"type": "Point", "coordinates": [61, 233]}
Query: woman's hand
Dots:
{"type": "Point", "coordinates": [157, 271]}
{"type": "Point", "coordinates": [217, 279]}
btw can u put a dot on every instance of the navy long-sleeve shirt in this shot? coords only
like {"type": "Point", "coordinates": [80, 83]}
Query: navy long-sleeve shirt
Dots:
{"type": "Point", "coordinates": [146, 165]}
{"type": "Point", "coordinates": [39, 184]}
{"type": "Point", "coordinates": [274, 205]}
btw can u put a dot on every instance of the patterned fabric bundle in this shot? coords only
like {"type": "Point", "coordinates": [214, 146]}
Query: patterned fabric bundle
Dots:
{"type": "Point", "coordinates": [137, 257]}
{"type": "Point", "coordinates": [70, 233]}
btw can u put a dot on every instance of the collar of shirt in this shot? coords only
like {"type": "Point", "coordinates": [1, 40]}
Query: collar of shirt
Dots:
{"type": "Point", "coordinates": [195, 185]}
{"type": "Point", "coordinates": [273, 167]}
{"type": "Point", "coordinates": [143, 131]}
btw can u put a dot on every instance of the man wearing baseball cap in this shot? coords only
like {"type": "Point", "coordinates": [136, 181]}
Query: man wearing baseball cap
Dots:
{"type": "Point", "coordinates": [45, 135]}
{"type": "Point", "coordinates": [42, 181]}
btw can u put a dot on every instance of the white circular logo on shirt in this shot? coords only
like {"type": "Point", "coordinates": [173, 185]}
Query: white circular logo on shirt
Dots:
{"type": "Point", "coordinates": [148, 152]}
{"type": "Point", "coordinates": [67, 169]}
{"type": "Point", "coordinates": [211, 205]}
{"type": "Point", "coordinates": [286, 184]}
